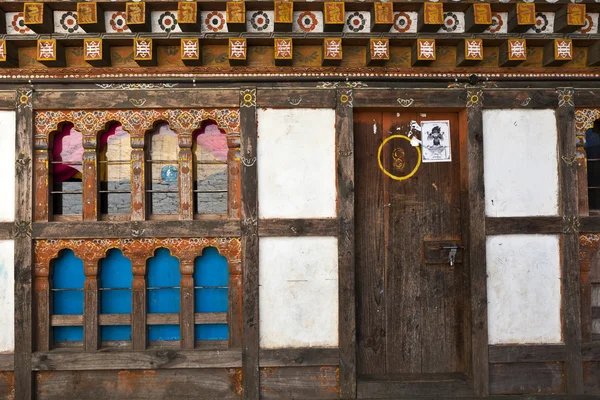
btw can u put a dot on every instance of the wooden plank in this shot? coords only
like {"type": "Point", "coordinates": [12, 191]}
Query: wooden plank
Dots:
{"type": "Point", "coordinates": [345, 200]}
{"type": "Point", "coordinates": [473, 229]}
{"type": "Point", "coordinates": [589, 224]}
{"type": "Point", "coordinates": [591, 378]}
{"type": "Point", "coordinates": [590, 352]}
{"type": "Point", "coordinates": [124, 229]}
{"type": "Point", "coordinates": [91, 329]}
{"type": "Point", "coordinates": [527, 378]}
{"type": "Point", "coordinates": [211, 318]}
{"type": "Point", "coordinates": [296, 98]}
{"type": "Point", "coordinates": [7, 362]}
{"type": "Point", "coordinates": [370, 97]}
{"type": "Point", "coordinates": [162, 319]}
{"type": "Point", "coordinates": [114, 319]}
{"type": "Point", "coordinates": [298, 227]}
{"type": "Point", "coordinates": [66, 320]}
{"type": "Point", "coordinates": [299, 357]}
{"type": "Point", "coordinates": [7, 385]}
{"type": "Point", "coordinates": [524, 98]}
{"type": "Point", "coordinates": [526, 353]}
{"type": "Point", "coordinates": [8, 99]}
{"type": "Point", "coordinates": [515, 225]}
{"type": "Point", "coordinates": [149, 359]}
{"type": "Point", "coordinates": [114, 99]}
{"type": "Point", "coordinates": [299, 383]}
{"type": "Point", "coordinates": [570, 248]}
{"type": "Point", "coordinates": [6, 230]}
{"type": "Point", "coordinates": [249, 222]}
{"type": "Point", "coordinates": [23, 247]}
{"type": "Point", "coordinates": [172, 384]}
{"type": "Point", "coordinates": [414, 385]}
{"type": "Point", "coordinates": [586, 98]}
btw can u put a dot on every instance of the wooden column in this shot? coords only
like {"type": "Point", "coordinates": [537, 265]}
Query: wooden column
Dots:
{"type": "Point", "coordinates": [138, 182]}
{"type": "Point", "coordinates": [90, 305]}
{"type": "Point", "coordinates": [138, 299]}
{"type": "Point", "coordinates": [475, 323]}
{"type": "Point", "coordinates": [186, 177]}
{"type": "Point", "coordinates": [23, 245]}
{"type": "Point", "coordinates": [233, 183]}
{"type": "Point", "coordinates": [588, 246]}
{"type": "Point", "coordinates": [249, 222]}
{"type": "Point", "coordinates": [235, 303]}
{"type": "Point", "coordinates": [43, 200]}
{"type": "Point", "coordinates": [186, 310]}
{"type": "Point", "coordinates": [569, 241]}
{"type": "Point", "coordinates": [345, 201]}
{"type": "Point", "coordinates": [90, 177]}
{"type": "Point", "coordinates": [42, 307]}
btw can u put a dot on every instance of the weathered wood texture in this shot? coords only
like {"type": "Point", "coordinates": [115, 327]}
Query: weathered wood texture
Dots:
{"type": "Point", "coordinates": [587, 97]}
{"type": "Point", "coordinates": [591, 378]}
{"type": "Point", "coordinates": [299, 382]}
{"type": "Point", "coordinates": [6, 230]}
{"type": "Point", "coordinates": [249, 222]}
{"type": "Point", "coordinates": [139, 384]}
{"type": "Point", "coordinates": [589, 224]}
{"type": "Point", "coordinates": [312, 357]}
{"type": "Point", "coordinates": [570, 249]}
{"type": "Point", "coordinates": [23, 248]}
{"type": "Point", "coordinates": [298, 227]}
{"type": "Point", "coordinates": [7, 385]}
{"type": "Point", "coordinates": [113, 99]}
{"type": "Point", "coordinates": [516, 225]}
{"type": "Point", "coordinates": [434, 386]}
{"type": "Point", "coordinates": [345, 202]}
{"type": "Point", "coordinates": [7, 99]}
{"type": "Point", "coordinates": [296, 98]}
{"type": "Point", "coordinates": [526, 353]}
{"type": "Point", "coordinates": [520, 98]}
{"type": "Point", "coordinates": [452, 98]}
{"type": "Point", "coordinates": [527, 378]}
{"type": "Point", "coordinates": [7, 362]}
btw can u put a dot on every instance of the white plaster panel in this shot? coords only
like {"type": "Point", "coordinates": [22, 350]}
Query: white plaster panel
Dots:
{"type": "Point", "coordinates": [296, 163]}
{"type": "Point", "coordinates": [7, 165]}
{"type": "Point", "coordinates": [7, 296]}
{"type": "Point", "coordinates": [520, 163]}
{"type": "Point", "coordinates": [523, 289]}
{"type": "Point", "coordinates": [298, 294]}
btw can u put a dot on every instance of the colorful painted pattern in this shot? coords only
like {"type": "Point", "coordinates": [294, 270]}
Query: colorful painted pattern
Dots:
{"type": "Point", "coordinates": [164, 21]}
{"type": "Point", "coordinates": [454, 22]}
{"type": "Point", "coordinates": [15, 24]}
{"type": "Point", "coordinates": [591, 24]}
{"type": "Point", "coordinates": [404, 22]}
{"type": "Point", "coordinates": [213, 21]}
{"type": "Point", "coordinates": [115, 22]}
{"type": "Point", "coordinates": [357, 22]}
{"type": "Point", "coordinates": [499, 23]}
{"type": "Point", "coordinates": [307, 21]}
{"type": "Point", "coordinates": [260, 21]}
{"type": "Point", "coordinates": [66, 22]}
{"type": "Point", "coordinates": [544, 23]}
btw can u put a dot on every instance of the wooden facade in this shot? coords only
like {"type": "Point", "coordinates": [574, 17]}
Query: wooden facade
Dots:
{"type": "Point", "coordinates": [402, 332]}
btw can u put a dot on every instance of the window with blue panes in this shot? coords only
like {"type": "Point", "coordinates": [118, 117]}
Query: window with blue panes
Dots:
{"type": "Point", "coordinates": [164, 277]}
{"type": "Point", "coordinates": [211, 292]}
{"type": "Point", "coordinates": [67, 294]}
{"type": "Point", "coordinates": [116, 278]}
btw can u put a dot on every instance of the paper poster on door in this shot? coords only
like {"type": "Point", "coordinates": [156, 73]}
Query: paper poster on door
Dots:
{"type": "Point", "coordinates": [435, 136]}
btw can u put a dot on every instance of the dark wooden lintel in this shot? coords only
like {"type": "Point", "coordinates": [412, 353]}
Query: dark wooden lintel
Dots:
{"type": "Point", "coordinates": [299, 357]}
{"type": "Point", "coordinates": [298, 227]}
{"type": "Point", "coordinates": [516, 225]}
{"type": "Point", "coordinates": [526, 353]}
{"type": "Point", "coordinates": [292, 98]}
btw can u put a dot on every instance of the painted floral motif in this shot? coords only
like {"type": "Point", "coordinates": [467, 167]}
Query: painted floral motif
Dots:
{"type": "Point", "coordinates": [451, 22]}
{"type": "Point", "coordinates": [213, 21]}
{"type": "Point", "coordinates": [116, 22]}
{"type": "Point", "coordinates": [591, 24]}
{"type": "Point", "coordinates": [308, 21]}
{"type": "Point", "coordinates": [404, 22]}
{"type": "Point", "coordinates": [357, 21]}
{"type": "Point", "coordinates": [167, 21]}
{"type": "Point", "coordinates": [259, 21]}
{"type": "Point", "coordinates": [15, 24]}
{"type": "Point", "coordinates": [66, 22]}
{"type": "Point", "coordinates": [498, 23]}
{"type": "Point", "coordinates": [544, 23]}
{"type": "Point", "coordinates": [584, 119]}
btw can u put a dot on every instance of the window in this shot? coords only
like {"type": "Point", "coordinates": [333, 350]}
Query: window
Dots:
{"type": "Point", "coordinates": [163, 295]}
{"type": "Point", "coordinates": [114, 164]}
{"type": "Point", "coordinates": [116, 278]}
{"type": "Point", "coordinates": [66, 184]}
{"type": "Point", "coordinates": [67, 297]}
{"type": "Point", "coordinates": [210, 169]}
{"type": "Point", "coordinates": [162, 186]}
{"type": "Point", "coordinates": [592, 150]}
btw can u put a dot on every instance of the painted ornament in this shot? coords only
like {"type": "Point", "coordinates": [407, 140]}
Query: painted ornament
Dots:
{"type": "Point", "coordinates": [65, 22]}
{"type": "Point", "coordinates": [404, 22]}
{"type": "Point", "coordinates": [591, 24]}
{"type": "Point", "coordinates": [213, 21]}
{"type": "Point", "coordinates": [15, 24]}
{"type": "Point", "coordinates": [308, 21]}
{"type": "Point", "coordinates": [259, 21]}
{"type": "Point", "coordinates": [116, 22]}
{"type": "Point", "coordinates": [544, 23]}
{"type": "Point", "coordinates": [167, 21]}
{"type": "Point", "coordinates": [454, 22]}
{"type": "Point", "coordinates": [498, 23]}
{"type": "Point", "coordinates": [356, 22]}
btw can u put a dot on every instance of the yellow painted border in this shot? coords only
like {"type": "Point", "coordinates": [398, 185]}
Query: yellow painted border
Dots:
{"type": "Point", "coordinates": [398, 178]}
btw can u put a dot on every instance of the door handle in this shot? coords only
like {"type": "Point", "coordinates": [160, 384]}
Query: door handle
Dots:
{"type": "Point", "coordinates": [452, 255]}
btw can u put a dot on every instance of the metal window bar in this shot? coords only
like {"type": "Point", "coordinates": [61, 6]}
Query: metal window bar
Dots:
{"type": "Point", "coordinates": [161, 191]}
{"type": "Point", "coordinates": [177, 287]}
{"type": "Point", "coordinates": [65, 192]}
{"type": "Point", "coordinates": [114, 191]}
{"type": "Point", "coordinates": [209, 191]}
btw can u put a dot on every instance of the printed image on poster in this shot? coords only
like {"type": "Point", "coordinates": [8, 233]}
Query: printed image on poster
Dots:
{"type": "Point", "coordinates": [436, 141]}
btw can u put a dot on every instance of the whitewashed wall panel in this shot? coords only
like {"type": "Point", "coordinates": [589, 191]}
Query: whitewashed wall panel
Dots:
{"type": "Point", "coordinates": [296, 163]}
{"type": "Point", "coordinates": [523, 286]}
{"type": "Point", "coordinates": [298, 294]}
{"type": "Point", "coordinates": [7, 296]}
{"type": "Point", "coordinates": [7, 165]}
{"type": "Point", "coordinates": [520, 163]}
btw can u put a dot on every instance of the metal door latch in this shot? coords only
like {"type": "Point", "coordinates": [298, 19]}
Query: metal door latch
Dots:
{"type": "Point", "coordinates": [452, 255]}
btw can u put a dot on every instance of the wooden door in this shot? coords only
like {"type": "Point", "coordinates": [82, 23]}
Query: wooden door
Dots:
{"type": "Point", "coordinates": [410, 299]}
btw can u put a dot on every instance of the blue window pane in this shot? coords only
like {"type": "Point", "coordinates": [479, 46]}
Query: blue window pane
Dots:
{"type": "Point", "coordinates": [211, 300]}
{"type": "Point", "coordinates": [163, 269]}
{"type": "Point", "coordinates": [163, 332]}
{"type": "Point", "coordinates": [67, 302]}
{"type": "Point", "coordinates": [68, 333]}
{"type": "Point", "coordinates": [115, 273]}
{"type": "Point", "coordinates": [67, 274]}
{"type": "Point", "coordinates": [163, 301]}
{"type": "Point", "coordinates": [110, 332]}
{"type": "Point", "coordinates": [211, 269]}
{"type": "Point", "coordinates": [212, 332]}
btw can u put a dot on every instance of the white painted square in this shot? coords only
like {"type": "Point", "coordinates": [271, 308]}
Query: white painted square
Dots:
{"type": "Point", "coordinates": [15, 24]}
{"type": "Point", "coordinates": [307, 21]}
{"type": "Point", "coordinates": [499, 23]}
{"type": "Point", "coordinates": [298, 292]}
{"type": "Point", "coordinates": [520, 163]}
{"type": "Point", "coordinates": [66, 22]}
{"type": "Point", "coordinates": [404, 22]}
{"type": "Point", "coordinates": [7, 296]}
{"type": "Point", "coordinates": [454, 22]}
{"type": "Point", "coordinates": [544, 23]}
{"type": "Point", "coordinates": [523, 289]}
{"type": "Point", "coordinates": [591, 24]}
{"type": "Point", "coordinates": [164, 21]}
{"type": "Point", "coordinates": [296, 163]}
{"type": "Point", "coordinates": [116, 22]}
{"type": "Point", "coordinates": [7, 165]}
{"type": "Point", "coordinates": [213, 21]}
{"type": "Point", "coordinates": [260, 21]}
{"type": "Point", "coordinates": [357, 22]}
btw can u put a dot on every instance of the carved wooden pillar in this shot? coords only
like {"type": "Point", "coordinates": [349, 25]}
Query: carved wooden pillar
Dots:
{"type": "Point", "coordinates": [186, 310]}
{"type": "Point", "coordinates": [234, 182]}
{"type": "Point", "coordinates": [186, 177]}
{"type": "Point", "coordinates": [42, 180]}
{"type": "Point", "coordinates": [138, 182]}
{"type": "Point", "coordinates": [588, 246]}
{"type": "Point", "coordinates": [90, 305]}
{"type": "Point", "coordinates": [90, 177]}
{"type": "Point", "coordinates": [138, 299]}
{"type": "Point", "coordinates": [42, 306]}
{"type": "Point", "coordinates": [235, 303]}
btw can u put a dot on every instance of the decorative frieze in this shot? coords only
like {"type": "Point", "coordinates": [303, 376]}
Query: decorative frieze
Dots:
{"type": "Point", "coordinates": [237, 51]}
{"type": "Point", "coordinates": [558, 52]}
{"type": "Point", "coordinates": [283, 15]}
{"type": "Point", "coordinates": [90, 16]}
{"type": "Point", "coordinates": [332, 51]}
{"type": "Point", "coordinates": [512, 53]}
{"type": "Point", "coordinates": [423, 52]}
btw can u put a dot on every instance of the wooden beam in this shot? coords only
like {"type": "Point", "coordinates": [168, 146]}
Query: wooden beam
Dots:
{"type": "Point", "coordinates": [7, 99]}
{"type": "Point", "coordinates": [569, 243]}
{"type": "Point", "coordinates": [449, 98]}
{"type": "Point", "coordinates": [524, 98]}
{"type": "Point", "coordinates": [516, 225]}
{"type": "Point", "coordinates": [6, 230]}
{"type": "Point", "coordinates": [299, 357]}
{"type": "Point", "coordinates": [298, 227]}
{"type": "Point", "coordinates": [7, 362]}
{"type": "Point", "coordinates": [345, 200]}
{"type": "Point", "coordinates": [526, 353]}
{"type": "Point", "coordinates": [292, 98]}
{"type": "Point", "coordinates": [23, 246]}
{"type": "Point", "coordinates": [249, 197]}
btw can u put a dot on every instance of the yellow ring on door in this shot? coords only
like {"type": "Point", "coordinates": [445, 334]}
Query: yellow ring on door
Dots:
{"type": "Point", "coordinates": [395, 177]}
